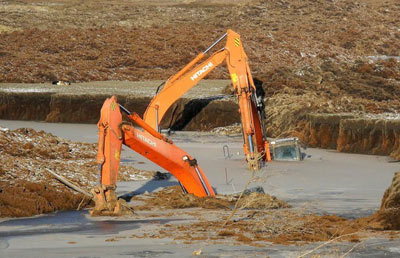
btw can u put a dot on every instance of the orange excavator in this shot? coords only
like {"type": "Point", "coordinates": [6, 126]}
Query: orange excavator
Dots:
{"type": "Point", "coordinates": [145, 137]}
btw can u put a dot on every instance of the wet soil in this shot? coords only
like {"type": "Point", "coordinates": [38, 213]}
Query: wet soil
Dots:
{"type": "Point", "coordinates": [260, 218]}
{"type": "Point", "coordinates": [259, 228]}
{"type": "Point", "coordinates": [24, 199]}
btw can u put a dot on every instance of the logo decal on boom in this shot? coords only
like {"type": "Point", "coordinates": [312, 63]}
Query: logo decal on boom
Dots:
{"type": "Point", "coordinates": [146, 140]}
{"type": "Point", "coordinates": [201, 71]}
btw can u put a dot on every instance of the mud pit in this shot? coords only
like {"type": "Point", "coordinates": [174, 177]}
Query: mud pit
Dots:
{"type": "Point", "coordinates": [188, 220]}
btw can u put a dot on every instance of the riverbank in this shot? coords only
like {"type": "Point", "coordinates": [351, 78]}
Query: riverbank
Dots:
{"type": "Point", "coordinates": [203, 108]}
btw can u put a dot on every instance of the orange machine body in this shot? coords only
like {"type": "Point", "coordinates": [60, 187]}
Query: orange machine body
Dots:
{"type": "Point", "coordinates": [148, 143]}
{"type": "Point", "coordinates": [110, 142]}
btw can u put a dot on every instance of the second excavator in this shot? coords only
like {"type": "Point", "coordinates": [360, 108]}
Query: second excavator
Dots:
{"type": "Point", "coordinates": [144, 137]}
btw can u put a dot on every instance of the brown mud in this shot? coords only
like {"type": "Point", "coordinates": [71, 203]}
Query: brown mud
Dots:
{"type": "Point", "coordinates": [24, 199]}
{"type": "Point", "coordinates": [174, 198]}
{"type": "Point", "coordinates": [27, 156]}
{"type": "Point", "coordinates": [260, 228]}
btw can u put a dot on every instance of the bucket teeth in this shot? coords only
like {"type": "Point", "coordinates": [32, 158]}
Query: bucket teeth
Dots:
{"type": "Point", "coordinates": [107, 203]}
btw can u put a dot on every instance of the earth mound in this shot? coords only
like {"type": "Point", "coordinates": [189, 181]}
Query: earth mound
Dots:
{"type": "Point", "coordinates": [24, 199]}
{"type": "Point", "coordinates": [389, 213]}
{"type": "Point", "coordinates": [174, 198]}
{"type": "Point", "coordinates": [26, 186]}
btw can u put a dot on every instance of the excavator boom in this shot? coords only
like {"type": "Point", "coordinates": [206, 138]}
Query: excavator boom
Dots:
{"type": "Point", "coordinates": [148, 141]}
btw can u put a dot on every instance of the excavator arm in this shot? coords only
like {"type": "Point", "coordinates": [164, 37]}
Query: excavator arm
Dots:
{"type": "Point", "coordinates": [256, 146]}
{"type": "Point", "coordinates": [176, 87]}
{"type": "Point", "coordinates": [146, 141]}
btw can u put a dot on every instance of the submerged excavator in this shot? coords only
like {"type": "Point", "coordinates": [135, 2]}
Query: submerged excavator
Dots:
{"type": "Point", "coordinates": [144, 137]}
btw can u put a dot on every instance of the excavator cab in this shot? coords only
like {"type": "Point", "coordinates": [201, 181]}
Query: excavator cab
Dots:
{"type": "Point", "coordinates": [286, 149]}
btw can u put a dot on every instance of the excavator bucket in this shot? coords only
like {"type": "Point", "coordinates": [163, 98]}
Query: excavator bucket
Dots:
{"type": "Point", "coordinates": [108, 158]}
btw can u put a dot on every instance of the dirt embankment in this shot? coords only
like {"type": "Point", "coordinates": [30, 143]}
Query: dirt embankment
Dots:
{"type": "Point", "coordinates": [377, 135]}
{"type": "Point", "coordinates": [324, 129]}
{"type": "Point", "coordinates": [186, 114]}
{"type": "Point", "coordinates": [201, 109]}
{"type": "Point", "coordinates": [370, 136]}
{"type": "Point", "coordinates": [389, 214]}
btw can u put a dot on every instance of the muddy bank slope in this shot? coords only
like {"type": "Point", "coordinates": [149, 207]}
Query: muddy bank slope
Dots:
{"type": "Point", "coordinates": [28, 188]}
{"type": "Point", "coordinates": [356, 133]}
{"type": "Point", "coordinates": [203, 108]}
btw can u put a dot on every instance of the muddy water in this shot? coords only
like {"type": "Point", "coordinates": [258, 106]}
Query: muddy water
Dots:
{"type": "Point", "coordinates": [61, 222]}
{"type": "Point", "coordinates": [69, 222]}
{"type": "Point", "coordinates": [74, 132]}
{"type": "Point", "coordinates": [325, 182]}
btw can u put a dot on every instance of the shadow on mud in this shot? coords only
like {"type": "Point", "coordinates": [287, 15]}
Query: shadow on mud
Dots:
{"type": "Point", "coordinates": [70, 221]}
